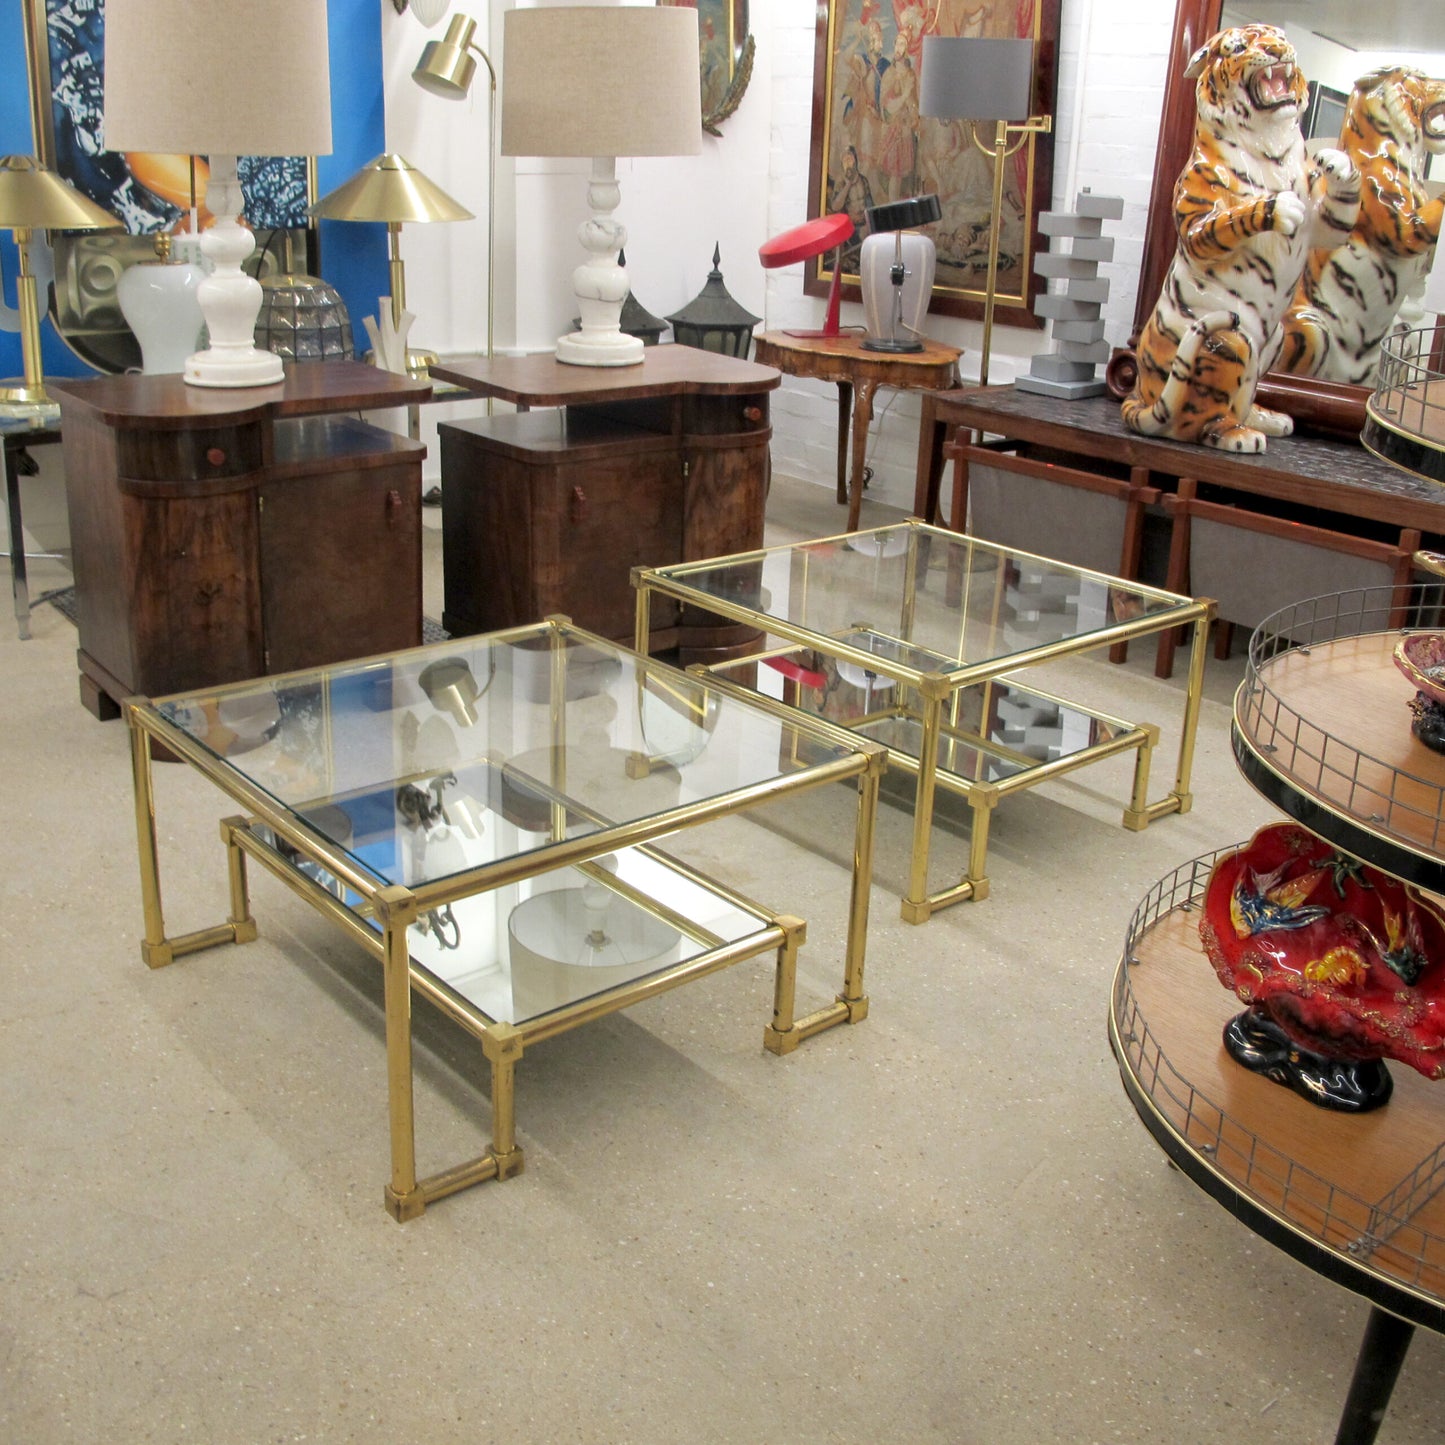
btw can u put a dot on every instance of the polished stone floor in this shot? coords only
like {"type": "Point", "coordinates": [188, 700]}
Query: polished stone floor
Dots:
{"type": "Point", "coordinates": [945, 1224]}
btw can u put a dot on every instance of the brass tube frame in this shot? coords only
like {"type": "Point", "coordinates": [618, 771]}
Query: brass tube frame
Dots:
{"type": "Point", "coordinates": [379, 922]}
{"type": "Point", "coordinates": [940, 691]}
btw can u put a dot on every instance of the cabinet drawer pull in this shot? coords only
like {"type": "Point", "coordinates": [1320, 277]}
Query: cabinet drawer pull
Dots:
{"type": "Point", "coordinates": [579, 507]}
{"type": "Point", "coordinates": [216, 456]}
{"type": "Point", "coordinates": [753, 414]}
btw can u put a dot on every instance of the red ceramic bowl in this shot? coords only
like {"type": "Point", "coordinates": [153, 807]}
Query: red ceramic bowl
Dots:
{"type": "Point", "coordinates": [1347, 960]}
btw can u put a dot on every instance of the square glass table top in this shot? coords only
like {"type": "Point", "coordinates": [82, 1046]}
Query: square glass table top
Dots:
{"type": "Point", "coordinates": [918, 599]}
{"type": "Point", "coordinates": [478, 751]}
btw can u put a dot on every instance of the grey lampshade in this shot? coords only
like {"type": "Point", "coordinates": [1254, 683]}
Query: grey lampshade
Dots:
{"type": "Point", "coordinates": [595, 80]}
{"type": "Point", "coordinates": [976, 78]}
{"type": "Point", "coordinates": [217, 77]}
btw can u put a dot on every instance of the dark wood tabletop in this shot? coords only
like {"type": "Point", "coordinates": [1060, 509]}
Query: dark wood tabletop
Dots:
{"type": "Point", "coordinates": [1335, 476]}
{"type": "Point", "coordinates": [542, 380]}
{"type": "Point", "coordinates": [308, 388]}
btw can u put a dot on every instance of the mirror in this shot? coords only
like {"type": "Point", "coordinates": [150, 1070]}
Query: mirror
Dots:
{"type": "Point", "coordinates": [725, 56]}
{"type": "Point", "coordinates": [1352, 35]}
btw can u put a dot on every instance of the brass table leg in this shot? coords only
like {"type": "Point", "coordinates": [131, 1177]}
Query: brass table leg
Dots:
{"type": "Point", "coordinates": [503, 1047]}
{"type": "Point", "coordinates": [916, 905]}
{"type": "Point", "coordinates": [1136, 815]}
{"type": "Point", "coordinates": [1194, 697]}
{"type": "Point", "coordinates": [404, 1199]}
{"type": "Point", "coordinates": [782, 1036]}
{"type": "Point", "coordinates": [156, 949]}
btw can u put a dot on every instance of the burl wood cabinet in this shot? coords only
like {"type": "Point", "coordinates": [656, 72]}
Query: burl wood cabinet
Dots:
{"type": "Point", "coordinates": [222, 534]}
{"type": "Point", "coordinates": [548, 511]}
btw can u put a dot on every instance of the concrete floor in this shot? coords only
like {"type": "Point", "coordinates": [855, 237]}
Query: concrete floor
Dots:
{"type": "Point", "coordinates": [944, 1224]}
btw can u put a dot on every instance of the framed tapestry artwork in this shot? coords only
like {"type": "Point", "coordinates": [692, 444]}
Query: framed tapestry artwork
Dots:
{"type": "Point", "coordinates": [65, 60]}
{"type": "Point", "coordinates": [870, 145]}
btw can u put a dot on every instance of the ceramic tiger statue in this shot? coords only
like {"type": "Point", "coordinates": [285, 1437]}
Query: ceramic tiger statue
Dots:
{"type": "Point", "coordinates": [1348, 299]}
{"type": "Point", "coordinates": [1248, 209]}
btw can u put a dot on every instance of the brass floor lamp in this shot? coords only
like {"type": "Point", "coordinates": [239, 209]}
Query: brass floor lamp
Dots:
{"type": "Point", "coordinates": [446, 68]}
{"type": "Point", "coordinates": [978, 79]}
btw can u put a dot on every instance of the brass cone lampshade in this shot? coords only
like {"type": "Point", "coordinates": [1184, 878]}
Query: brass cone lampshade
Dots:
{"type": "Point", "coordinates": [33, 197]}
{"type": "Point", "coordinates": [391, 189]}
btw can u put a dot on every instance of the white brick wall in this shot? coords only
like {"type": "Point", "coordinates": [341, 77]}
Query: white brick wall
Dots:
{"type": "Point", "coordinates": [749, 185]}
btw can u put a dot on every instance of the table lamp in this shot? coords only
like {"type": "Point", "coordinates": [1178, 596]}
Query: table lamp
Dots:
{"type": "Point", "coordinates": [34, 198]}
{"type": "Point", "coordinates": [220, 80]}
{"type": "Point", "coordinates": [974, 78]}
{"type": "Point", "coordinates": [895, 272]}
{"type": "Point", "coordinates": [391, 189]}
{"type": "Point", "coordinates": [803, 243]}
{"type": "Point", "coordinates": [601, 82]}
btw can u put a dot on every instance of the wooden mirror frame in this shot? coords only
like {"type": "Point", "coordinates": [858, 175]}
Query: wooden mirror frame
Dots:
{"type": "Point", "coordinates": [1319, 405]}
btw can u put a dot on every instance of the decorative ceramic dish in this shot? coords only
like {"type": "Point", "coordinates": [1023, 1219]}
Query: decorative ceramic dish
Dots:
{"type": "Point", "coordinates": [1421, 657]}
{"type": "Point", "coordinates": [1346, 960]}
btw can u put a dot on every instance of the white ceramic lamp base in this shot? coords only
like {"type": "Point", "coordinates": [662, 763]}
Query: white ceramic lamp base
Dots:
{"type": "Point", "coordinates": [158, 301]}
{"type": "Point", "coordinates": [599, 283]}
{"type": "Point", "coordinates": [230, 299]}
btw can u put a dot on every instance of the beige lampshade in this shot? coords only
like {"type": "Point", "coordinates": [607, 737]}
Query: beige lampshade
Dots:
{"type": "Point", "coordinates": [217, 77]}
{"type": "Point", "coordinates": [33, 195]}
{"type": "Point", "coordinates": [593, 80]}
{"type": "Point", "coordinates": [389, 188]}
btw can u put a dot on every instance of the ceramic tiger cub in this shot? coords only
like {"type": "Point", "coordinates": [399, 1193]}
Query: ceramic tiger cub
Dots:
{"type": "Point", "coordinates": [1348, 299]}
{"type": "Point", "coordinates": [1248, 208]}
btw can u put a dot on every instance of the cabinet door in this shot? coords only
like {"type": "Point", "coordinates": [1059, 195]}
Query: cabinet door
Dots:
{"type": "Point", "coordinates": [341, 565]}
{"type": "Point", "coordinates": [593, 524]}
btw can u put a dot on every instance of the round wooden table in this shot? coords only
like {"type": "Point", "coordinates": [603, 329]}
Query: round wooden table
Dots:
{"type": "Point", "coordinates": [858, 373]}
{"type": "Point", "coordinates": [1321, 729]}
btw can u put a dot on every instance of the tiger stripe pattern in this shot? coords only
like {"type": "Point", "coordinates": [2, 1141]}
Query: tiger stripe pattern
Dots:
{"type": "Point", "coordinates": [1350, 299]}
{"type": "Point", "coordinates": [1249, 206]}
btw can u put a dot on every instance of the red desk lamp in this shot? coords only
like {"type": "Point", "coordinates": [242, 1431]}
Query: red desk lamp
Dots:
{"type": "Point", "coordinates": [804, 242]}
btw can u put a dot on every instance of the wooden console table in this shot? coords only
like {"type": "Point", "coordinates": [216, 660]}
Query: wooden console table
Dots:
{"type": "Point", "coordinates": [859, 373]}
{"type": "Point", "coordinates": [548, 512]}
{"type": "Point", "coordinates": [228, 533]}
{"type": "Point", "coordinates": [1331, 476]}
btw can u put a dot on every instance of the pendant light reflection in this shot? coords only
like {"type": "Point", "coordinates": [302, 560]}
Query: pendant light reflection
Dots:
{"type": "Point", "coordinates": [451, 687]}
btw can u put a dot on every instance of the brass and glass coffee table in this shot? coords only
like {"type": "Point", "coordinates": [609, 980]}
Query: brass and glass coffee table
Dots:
{"type": "Point", "coordinates": [917, 637]}
{"type": "Point", "coordinates": [481, 815]}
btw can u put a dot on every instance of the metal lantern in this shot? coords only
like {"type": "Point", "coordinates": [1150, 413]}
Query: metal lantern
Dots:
{"type": "Point", "coordinates": [303, 319]}
{"type": "Point", "coordinates": [712, 320]}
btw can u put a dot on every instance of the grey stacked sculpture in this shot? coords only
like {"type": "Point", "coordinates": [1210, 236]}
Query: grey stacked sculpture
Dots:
{"type": "Point", "coordinates": [1074, 310]}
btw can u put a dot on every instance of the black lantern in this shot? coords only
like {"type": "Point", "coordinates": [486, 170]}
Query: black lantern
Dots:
{"type": "Point", "coordinates": [712, 320]}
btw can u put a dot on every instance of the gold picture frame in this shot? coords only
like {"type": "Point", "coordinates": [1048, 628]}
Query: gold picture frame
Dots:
{"type": "Point", "coordinates": [859, 108]}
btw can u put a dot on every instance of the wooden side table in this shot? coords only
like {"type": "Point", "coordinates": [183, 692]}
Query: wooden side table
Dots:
{"type": "Point", "coordinates": [220, 533]}
{"type": "Point", "coordinates": [621, 467]}
{"type": "Point", "coordinates": [858, 373]}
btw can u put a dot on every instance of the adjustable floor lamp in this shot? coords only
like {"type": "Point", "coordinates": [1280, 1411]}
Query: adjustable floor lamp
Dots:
{"type": "Point", "coordinates": [978, 79]}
